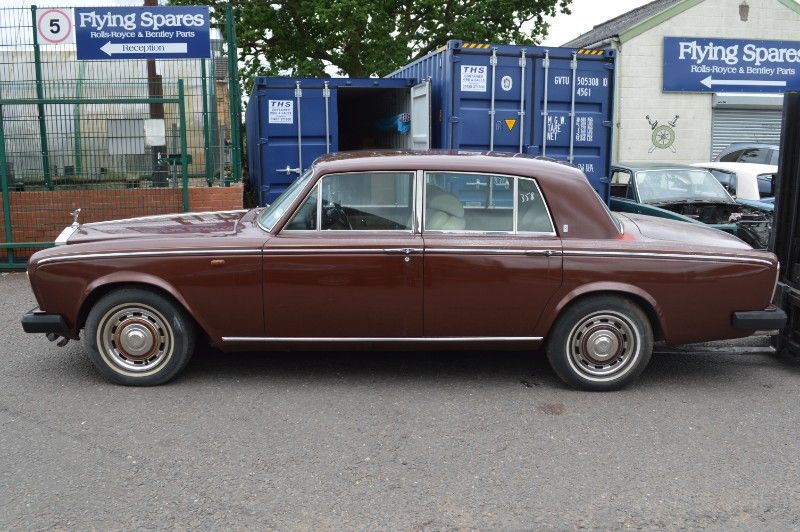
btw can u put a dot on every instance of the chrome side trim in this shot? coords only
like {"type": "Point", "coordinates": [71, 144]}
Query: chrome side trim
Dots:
{"type": "Point", "coordinates": [654, 254]}
{"type": "Point", "coordinates": [491, 251]}
{"type": "Point", "coordinates": [129, 254]}
{"type": "Point", "coordinates": [64, 235]}
{"type": "Point", "coordinates": [340, 251]}
{"type": "Point", "coordinates": [247, 339]}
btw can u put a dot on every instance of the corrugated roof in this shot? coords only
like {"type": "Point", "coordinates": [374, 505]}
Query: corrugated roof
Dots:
{"type": "Point", "coordinates": [620, 24]}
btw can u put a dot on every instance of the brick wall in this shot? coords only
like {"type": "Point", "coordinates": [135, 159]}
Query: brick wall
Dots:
{"type": "Point", "coordinates": [40, 216]}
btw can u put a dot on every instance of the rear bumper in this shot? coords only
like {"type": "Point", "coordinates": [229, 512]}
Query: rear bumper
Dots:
{"type": "Point", "coordinates": [37, 321]}
{"type": "Point", "coordinates": [760, 320]}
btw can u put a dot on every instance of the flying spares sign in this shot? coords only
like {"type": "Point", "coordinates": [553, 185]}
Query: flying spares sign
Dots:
{"type": "Point", "coordinates": [142, 32]}
{"type": "Point", "coordinates": [730, 65]}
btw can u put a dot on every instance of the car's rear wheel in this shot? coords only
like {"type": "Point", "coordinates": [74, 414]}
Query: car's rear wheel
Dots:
{"type": "Point", "coordinates": [138, 337]}
{"type": "Point", "coordinates": [600, 343]}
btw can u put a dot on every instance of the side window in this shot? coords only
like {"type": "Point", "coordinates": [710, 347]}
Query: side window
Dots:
{"type": "Point", "coordinates": [619, 183]}
{"type": "Point", "coordinates": [773, 157]}
{"type": "Point", "coordinates": [305, 219]}
{"type": "Point", "coordinates": [532, 216]}
{"type": "Point", "coordinates": [731, 157]}
{"type": "Point", "coordinates": [766, 183]}
{"type": "Point", "coordinates": [468, 202]}
{"type": "Point", "coordinates": [754, 155]}
{"type": "Point", "coordinates": [368, 201]}
{"type": "Point", "coordinates": [359, 202]}
{"type": "Point", "coordinates": [726, 179]}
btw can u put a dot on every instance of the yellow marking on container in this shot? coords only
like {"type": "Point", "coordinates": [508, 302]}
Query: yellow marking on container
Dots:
{"type": "Point", "coordinates": [475, 45]}
{"type": "Point", "coordinates": [590, 52]}
{"type": "Point", "coordinates": [510, 123]}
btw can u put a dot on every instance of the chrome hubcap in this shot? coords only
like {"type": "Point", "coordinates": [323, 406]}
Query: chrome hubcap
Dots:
{"type": "Point", "coordinates": [135, 338]}
{"type": "Point", "coordinates": [603, 345]}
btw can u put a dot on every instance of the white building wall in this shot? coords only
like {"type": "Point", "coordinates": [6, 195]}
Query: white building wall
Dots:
{"type": "Point", "coordinates": [640, 77]}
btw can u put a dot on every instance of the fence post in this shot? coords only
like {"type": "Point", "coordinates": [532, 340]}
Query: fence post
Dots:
{"type": "Point", "coordinates": [76, 121]}
{"type": "Point", "coordinates": [233, 96]}
{"type": "Point", "coordinates": [184, 162]}
{"type": "Point", "coordinates": [40, 106]}
{"type": "Point", "coordinates": [4, 187]}
{"type": "Point", "coordinates": [206, 130]}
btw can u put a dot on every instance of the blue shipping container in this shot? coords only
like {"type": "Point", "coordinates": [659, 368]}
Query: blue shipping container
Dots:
{"type": "Point", "coordinates": [464, 96]}
{"type": "Point", "coordinates": [500, 97]}
{"type": "Point", "coordinates": [292, 121]}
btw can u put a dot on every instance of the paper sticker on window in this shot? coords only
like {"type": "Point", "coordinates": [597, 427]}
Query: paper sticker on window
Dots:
{"type": "Point", "coordinates": [473, 78]}
{"type": "Point", "coordinates": [281, 112]}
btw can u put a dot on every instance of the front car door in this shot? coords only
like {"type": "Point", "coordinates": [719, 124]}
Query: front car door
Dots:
{"type": "Point", "coordinates": [492, 256]}
{"type": "Point", "coordinates": [348, 263]}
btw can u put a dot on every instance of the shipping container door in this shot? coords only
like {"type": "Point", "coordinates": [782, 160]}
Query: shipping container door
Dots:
{"type": "Point", "coordinates": [421, 116]}
{"type": "Point", "coordinates": [585, 85]}
{"type": "Point", "coordinates": [491, 103]}
{"type": "Point", "coordinates": [482, 89]}
{"type": "Point", "coordinates": [298, 124]}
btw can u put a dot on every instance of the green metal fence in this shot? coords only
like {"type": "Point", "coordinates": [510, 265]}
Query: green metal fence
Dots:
{"type": "Point", "coordinates": [116, 138]}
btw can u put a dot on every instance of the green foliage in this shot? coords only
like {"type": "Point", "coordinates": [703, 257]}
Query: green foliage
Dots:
{"type": "Point", "coordinates": [361, 38]}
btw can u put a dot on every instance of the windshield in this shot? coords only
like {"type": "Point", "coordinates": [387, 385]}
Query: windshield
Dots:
{"type": "Point", "coordinates": [679, 184]}
{"type": "Point", "coordinates": [273, 213]}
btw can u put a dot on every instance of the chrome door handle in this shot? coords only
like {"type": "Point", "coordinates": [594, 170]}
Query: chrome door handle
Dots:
{"type": "Point", "coordinates": [399, 251]}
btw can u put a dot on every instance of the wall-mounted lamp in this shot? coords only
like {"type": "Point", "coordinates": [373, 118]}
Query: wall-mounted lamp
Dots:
{"type": "Point", "coordinates": [744, 10]}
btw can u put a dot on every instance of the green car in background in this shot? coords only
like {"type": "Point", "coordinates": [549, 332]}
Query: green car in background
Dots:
{"type": "Point", "coordinates": [689, 194]}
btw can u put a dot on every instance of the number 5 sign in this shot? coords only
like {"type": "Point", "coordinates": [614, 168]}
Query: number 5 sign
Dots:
{"type": "Point", "coordinates": [54, 26]}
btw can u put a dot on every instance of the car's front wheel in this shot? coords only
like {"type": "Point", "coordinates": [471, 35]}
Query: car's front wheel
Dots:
{"type": "Point", "coordinates": [138, 337]}
{"type": "Point", "coordinates": [600, 343]}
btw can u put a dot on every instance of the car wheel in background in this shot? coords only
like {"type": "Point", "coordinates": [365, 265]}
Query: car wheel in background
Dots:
{"type": "Point", "coordinates": [138, 338]}
{"type": "Point", "coordinates": [600, 343]}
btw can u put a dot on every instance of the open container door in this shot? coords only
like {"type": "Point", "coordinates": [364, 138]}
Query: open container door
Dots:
{"type": "Point", "coordinates": [421, 116]}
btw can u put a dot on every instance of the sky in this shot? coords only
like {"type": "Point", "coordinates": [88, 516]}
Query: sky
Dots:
{"type": "Point", "coordinates": [585, 15]}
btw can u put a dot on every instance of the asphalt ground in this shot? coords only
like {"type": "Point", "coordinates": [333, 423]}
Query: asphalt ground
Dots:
{"type": "Point", "coordinates": [363, 440]}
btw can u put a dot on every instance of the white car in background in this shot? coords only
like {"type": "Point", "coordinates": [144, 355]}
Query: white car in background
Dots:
{"type": "Point", "coordinates": [744, 181]}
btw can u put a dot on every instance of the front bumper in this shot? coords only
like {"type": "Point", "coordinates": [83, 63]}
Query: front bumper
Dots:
{"type": "Point", "coordinates": [769, 319]}
{"type": "Point", "coordinates": [37, 321]}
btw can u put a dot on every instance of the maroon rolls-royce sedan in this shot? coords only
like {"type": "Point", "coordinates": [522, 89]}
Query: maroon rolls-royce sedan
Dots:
{"type": "Point", "coordinates": [404, 250]}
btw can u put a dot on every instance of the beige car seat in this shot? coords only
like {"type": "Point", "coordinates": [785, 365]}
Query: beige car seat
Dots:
{"type": "Point", "coordinates": [443, 211]}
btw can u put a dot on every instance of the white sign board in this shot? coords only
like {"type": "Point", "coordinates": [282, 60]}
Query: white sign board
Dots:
{"type": "Point", "coordinates": [54, 26]}
{"type": "Point", "coordinates": [154, 132]}
{"type": "Point", "coordinates": [281, 112]}
{"type": "Point", "coordinates": [125, 136]}
{"type": "Point", "coordinates": [473, 78]}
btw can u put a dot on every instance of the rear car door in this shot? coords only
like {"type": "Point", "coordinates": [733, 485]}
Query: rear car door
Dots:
{"type": "Point", "coordinates": [491, 263]}
{"type": "Point", "coordinates": [348, 264]}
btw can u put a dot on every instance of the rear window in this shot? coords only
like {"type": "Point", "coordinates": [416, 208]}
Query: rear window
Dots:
{"type": "Point", "coordinates": [731, 157]}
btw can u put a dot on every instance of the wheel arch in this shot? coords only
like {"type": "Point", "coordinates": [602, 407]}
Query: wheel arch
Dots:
{"type": "Point", "coordinates": [99, 288]}
{"type": "Point", "coordinates": [641, 298]}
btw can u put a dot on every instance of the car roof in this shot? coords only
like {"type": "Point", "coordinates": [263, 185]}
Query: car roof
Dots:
{"type": "Point", "coordinates": [754, 168]}
{"type": "Point", "coordinates": [740, 145]}
{"type": "Point", "coordinates": [653, 166]}
{"type": "Point", "coordinates": [522, 164]}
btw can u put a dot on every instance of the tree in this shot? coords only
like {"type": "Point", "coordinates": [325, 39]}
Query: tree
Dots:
{"type": "Point", "coordinates": [361, 38]}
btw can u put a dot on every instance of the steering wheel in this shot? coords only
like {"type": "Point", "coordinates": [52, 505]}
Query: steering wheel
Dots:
{"type": "Point", "coordinates": [335, 215]}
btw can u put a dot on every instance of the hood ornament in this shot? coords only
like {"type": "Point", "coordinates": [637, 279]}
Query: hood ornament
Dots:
{"type": "Point", "coordinates": [75, 214]}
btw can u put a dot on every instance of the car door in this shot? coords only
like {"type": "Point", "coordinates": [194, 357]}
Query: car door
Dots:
{"type": "Point", "coordinates": [492, 263]}
{"type": "Point", "coordinates": [348, 264]}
